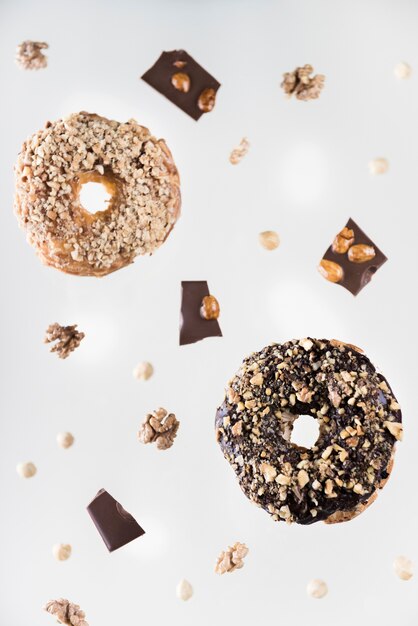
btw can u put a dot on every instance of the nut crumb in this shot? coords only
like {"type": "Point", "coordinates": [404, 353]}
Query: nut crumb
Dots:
{"type": "Point", "coordinates": [66, 612]}
{"type": "Point", "coordinates": [67, 338]}
{"type": "Point", "coordinates": [402, 70]}
{"type": "Point", "coordinates": [317, 589]}
{"type": "Point", "coordinates": [184, 590]}
{"type": "Point", "coordinates": [378, 166]}
{"type": "Point", "coordinates": [302, 85]}
{"type": "Point", "coordinates": [232, 558]}
{"type": "Point", "coordinates": [29, 55]}
{"type": "Point", "coordinates": [239, 152]}
{"type": "Point", "coordinates": [159, 427]}
{"type": "Point", "coordinates": [62, 551]}
{"type": "Point", "coordinates": [65, 440]}
{"type": "Point", "coordinates": [269, 239]}
{"type": "Point", "coordinates": [403, 567]}
{"type": "Point", "coordinates": [143, 371]}
{"type": "Point", "coordinates": [26, 470]}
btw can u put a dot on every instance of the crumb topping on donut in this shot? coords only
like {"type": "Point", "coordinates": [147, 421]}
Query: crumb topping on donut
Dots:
{"type": "Point", "coordinates": [133, 164]}
{"type": "Point", "coordinates": [359, 422]}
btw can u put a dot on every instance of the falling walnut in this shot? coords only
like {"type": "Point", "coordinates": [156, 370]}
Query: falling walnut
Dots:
{"type": "Point", "coordinates": [232, 558]}
{"type": "Point", "coordinates": [239, 152]}
{"type": "Point", "coordinates": [67, 338]}
{"type": "Point", "coordinates": [66, 612]}
{"type": "Point", "coordinates": [160, 428]}
{"type": "Point", "coordinates": [300, 84]}
{"type": "Point", "coordinates": [29, 55]}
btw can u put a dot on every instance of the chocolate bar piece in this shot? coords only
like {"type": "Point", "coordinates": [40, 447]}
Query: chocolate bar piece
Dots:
{"type": "Point", "coordinates": [352, 259]}
{"type": "Point", "coordinates": [116, 526]}
{"type": "Point", "coordinates": [193, 326]}
{"type": "Point", "coordinates": [178, 77]}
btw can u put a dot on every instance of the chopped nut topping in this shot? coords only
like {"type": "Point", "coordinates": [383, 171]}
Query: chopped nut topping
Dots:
{"type": "Point", "coordinates": [331, 271]}
{"type": "Point", "coordinates": [301, 84]}
{"type": "Point", "coordinates": [26, 470]}
{"type": "Point", "coordinates": [232, 558]}
{"type": "Point", "coordinates": [239, 153]}
{"type": "Point", "coordinates": [206, 100]}
{"type": "Point", "coordinates": [30, 56]}
{"type": "Point", "coordinates": [268, 472]}
{"type": "Point", "coordinates": [160, 428]}
{"type": "Point", "coordinates": [269, 239]}
{"type": "Point", "coordinates": [361, 253]}
{"type": "Point", "coordinates": [66, 612]}
{"type": "Point", "coordinates": [181, 81]}
{"type": "Point", "coordinates": [395, 429]}
{"type": "Point", "coordinates": [403, 567]}
{"type": "Point", "coordinates": [62, 551]}
{"type": "Point", "coordinates": [378, 166]}
{"type": "Point", "coordinates": [257, 379]}
{"type": "Point", "coordinates": [303, 478]}
{"type": "Point", "coordinates": [143, 371]}
{"type": "Point", "coordinates": [210, 309]}
{"type": "Point", "coordinates": [65, 440]}
{"type": "Point", "coordinates": [317, 589]}
{"type": "Point", "coordinates": [184, 590]}
{"type": "Point", "coordinates": [343, 240]}
{"type": "Point", "coordinates": [67, 338]}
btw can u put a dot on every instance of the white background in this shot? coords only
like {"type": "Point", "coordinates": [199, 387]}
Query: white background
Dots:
{"type": "Point", "coordinates": [305, 174]}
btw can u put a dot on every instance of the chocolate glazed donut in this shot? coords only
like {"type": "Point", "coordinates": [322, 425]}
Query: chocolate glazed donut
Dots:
{"type": "Point", "coordinates": [359, 423]}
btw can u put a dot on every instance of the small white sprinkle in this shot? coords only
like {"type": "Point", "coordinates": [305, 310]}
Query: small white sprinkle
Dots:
{"type": "Point", "coordinates": [184, 590]}
{"type": "Point", "coordinates": [317, 589]}
{"type": "Point", "coordinates": [26, 470]}
{"type": "Point", "coordinates": [403, 567]}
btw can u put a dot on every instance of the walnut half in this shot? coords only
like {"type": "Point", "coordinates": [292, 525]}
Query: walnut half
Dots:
{"type": "Point", "coordinates": [160, 428]}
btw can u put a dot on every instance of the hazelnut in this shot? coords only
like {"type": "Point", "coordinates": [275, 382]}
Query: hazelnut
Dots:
{"type": "Point", "coordinates": [181, 81]}
{"type": "Point", "coordinates": [210, 309]}
{"type": "Point", "coordinates": [331, 271]}
{"type": "Point", "coordinates": [378, 166]}
{"type": "Point", "coordinates": [143, 371]}
{"type": "Point", "coordinates": [269, 239]}
{"type": "Point", "coordinates": [65, 440]}
{"type": "Point", "coordinates": [361, 253]}
{"type": "Point", "coordinates": [206, 100]}
{"type": "Point", "coordinates": [62, 551]}
{"type": "Point", "coordinates": [402, 70]}
{"type": "Point", "coordinates": [343, 240]}
{"type": "Point", "coordinates": [403, 567]}
{"type": "Point", "coordinates": [317, 589]}
{"type": "Point", "coordinates": [26, 470]}
{"type": "Point", "coordinates": [184, 590]}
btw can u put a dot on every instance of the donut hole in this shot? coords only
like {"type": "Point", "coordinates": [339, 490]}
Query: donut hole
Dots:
{"type": "Point", "coordinates": [94, 196]}
{"type": "Point", "coordinates": [305, 431]}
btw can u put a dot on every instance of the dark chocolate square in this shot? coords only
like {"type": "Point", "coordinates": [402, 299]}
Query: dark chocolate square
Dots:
{"type": "Point", "coordinates": [116, 526]}
{"type": "Point", "coordinates": [193, 327]}
{"type": "Point", "coordinates": [355, 276]}
{"type": "Point", "coordinates": [160, 74]}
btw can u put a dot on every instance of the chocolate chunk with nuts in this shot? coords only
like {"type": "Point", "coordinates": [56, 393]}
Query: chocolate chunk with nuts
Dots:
{"type": "Point", "coordinates": [199, 312]}
{"type": "Point", "coordinates": [67, 339]}
{"type": "Point", "coordinates": [232, 558]}
{"type": "Point", "coordinates": [352, 259]}
{"type": "Point", "coordinates": [160, 428]}
{"type": "Point", "coordinates": [301, 84]}
{"type": "Point", "coordinates": [192, 88]}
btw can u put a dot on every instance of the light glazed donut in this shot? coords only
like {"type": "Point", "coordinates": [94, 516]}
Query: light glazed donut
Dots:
{"type": "Point", "coordinates": [135, 168]}
{"type": "Point", "coordinates": [359, 423]}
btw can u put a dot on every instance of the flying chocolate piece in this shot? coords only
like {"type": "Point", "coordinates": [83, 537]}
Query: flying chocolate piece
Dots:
{"type": "Point", "coordinates": [193, 326]}
{"type": "Point", "coordinates": [352, 259]}
{"type": "Point", "coordinates": [116, 526]}
{"type": "Point", "coordinates": [178, 77]}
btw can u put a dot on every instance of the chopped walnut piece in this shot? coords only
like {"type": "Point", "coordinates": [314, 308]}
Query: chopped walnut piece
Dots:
{"type": "Point", "coordinates": [301, 84]}
{"type": "Point", "coordinates": [403, 567]}
{"type": "Point", "coordinates": [29, 55]}
{"type": "Point", "coordinates": [67, 337]}
{"type": "Point", "coordinates": [239, 152]}
{"type": "Point", "coordinates": [159, 427]}
{"type": "Point", "coordinates": [66, 612]}
{"type": "Point", "coordinates": [395, 429]}
{"type": "Point", "coordinates": [317, 589]}
{"type": "Point", "coordinates": [232, 558]}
